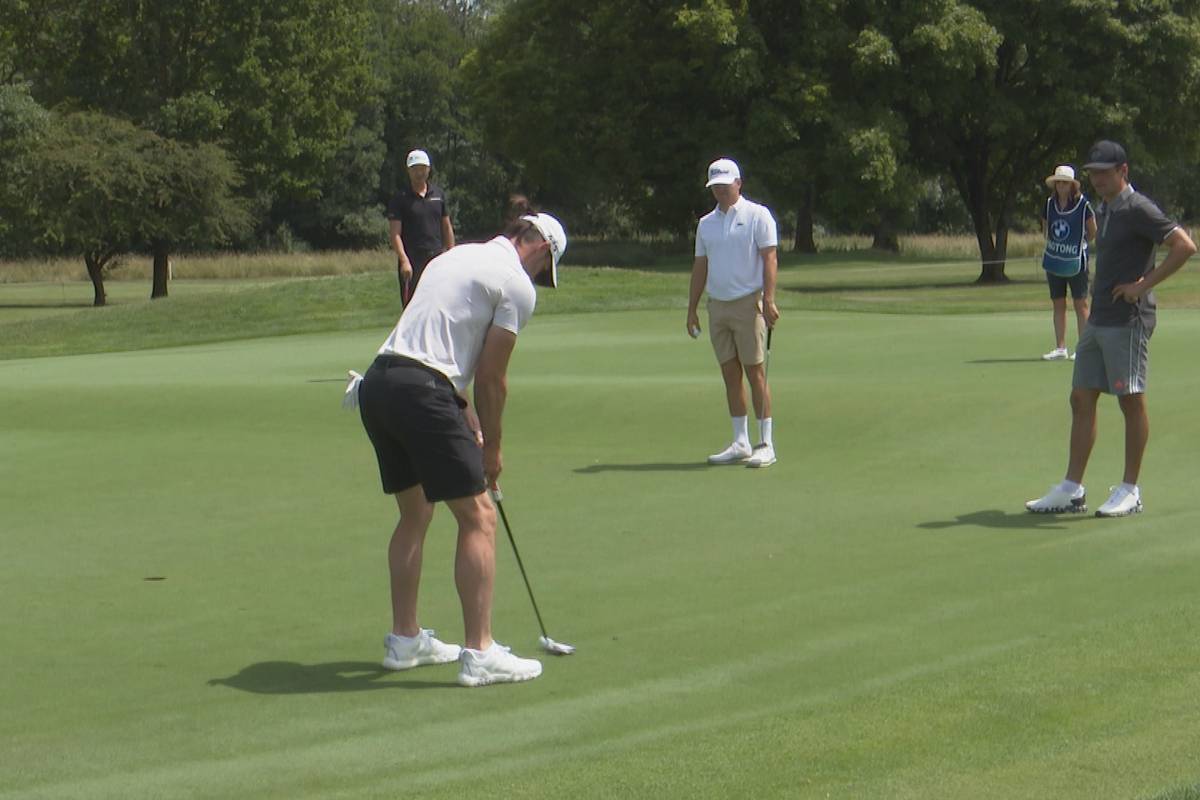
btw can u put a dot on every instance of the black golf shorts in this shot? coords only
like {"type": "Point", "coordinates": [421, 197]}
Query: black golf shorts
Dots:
{"type": "Point", "coordinates": [414, 420]}
{"type": "Point", "coordinates": [1078, 284]}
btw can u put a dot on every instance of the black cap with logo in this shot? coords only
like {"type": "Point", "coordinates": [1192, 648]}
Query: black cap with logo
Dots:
{"type": "Point", "coordinates": [1105, 154]}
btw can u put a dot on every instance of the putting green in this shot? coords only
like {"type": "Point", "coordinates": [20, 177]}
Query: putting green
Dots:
{"type": "Point", "coordinates": [195, 589]}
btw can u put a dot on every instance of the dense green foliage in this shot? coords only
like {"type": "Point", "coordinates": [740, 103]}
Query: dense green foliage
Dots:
{"type": "Point", "coordinates": [851, 115]}
{"type": "Point", "coordinates": [100, 186]}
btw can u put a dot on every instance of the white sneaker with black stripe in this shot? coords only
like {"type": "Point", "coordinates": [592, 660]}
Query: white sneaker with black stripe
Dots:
{"type": "Point", "coordinates": [1059, 501]}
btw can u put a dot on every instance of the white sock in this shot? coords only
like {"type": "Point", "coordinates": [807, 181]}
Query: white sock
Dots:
{"type": "Point", "coordinates": [740, 432]}
{"type": "Point", "coordinates": [1132, 488]}
{"type": "Point", "coordinates": [1069, 486]}
{"type": "Point", "coordinates": [764, 431]}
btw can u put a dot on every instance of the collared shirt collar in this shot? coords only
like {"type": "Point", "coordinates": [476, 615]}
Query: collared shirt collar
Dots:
{"type": "Point", "coordinates": [733, 207]}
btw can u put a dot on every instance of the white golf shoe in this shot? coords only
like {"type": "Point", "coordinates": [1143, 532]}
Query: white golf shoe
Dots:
{"type": "Point", "coordinates": [1121, 503]}
{"type": "Point", "coordinates": [1059, 501]}
{"type": "Point", "coordinates": [736, 453]}
{"type": "Point", "coordinates": [497, 664]}
{"type": "Point", "coordinates": [406, 652]}
{"type": "Point", "coordinates": [764, 456]}
{"type": "Point", "coordinates": [1057, 354]}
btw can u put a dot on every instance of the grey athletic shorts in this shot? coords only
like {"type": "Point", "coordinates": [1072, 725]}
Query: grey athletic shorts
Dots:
{"type": "Point", "coordinates": [1113, 360]}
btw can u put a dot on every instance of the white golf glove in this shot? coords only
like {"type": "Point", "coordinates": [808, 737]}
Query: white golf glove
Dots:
{"type": "Point", "coordinates": [350, 398]}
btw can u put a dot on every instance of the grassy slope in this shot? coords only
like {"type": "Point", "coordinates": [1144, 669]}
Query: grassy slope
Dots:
{"type": "Point", "coordinates": [52, 319]}
{"type": "Point", "coordinates": [873, 617]}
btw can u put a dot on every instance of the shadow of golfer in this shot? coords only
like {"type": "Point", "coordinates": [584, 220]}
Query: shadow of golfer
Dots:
{"type": "Point", "coordinates": [1033, 360]}
{"type": "Point", "coordinates": [288, 677]}
{"type": "Point", "coordinates": [685, 466]}
{"type": "Point", "coordinates": [994, 518]}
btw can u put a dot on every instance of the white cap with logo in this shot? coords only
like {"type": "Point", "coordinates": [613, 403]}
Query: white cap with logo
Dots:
{"type": "Point", "coordinates": [722, 171]}
{"type": "Point", "coordinates": [552, 231]}
{"type": "Point", "coordinates": [418, 157]}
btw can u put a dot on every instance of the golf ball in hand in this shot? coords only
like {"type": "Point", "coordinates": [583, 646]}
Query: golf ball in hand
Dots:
{"type": "Point", "coordinates": [694, 331]}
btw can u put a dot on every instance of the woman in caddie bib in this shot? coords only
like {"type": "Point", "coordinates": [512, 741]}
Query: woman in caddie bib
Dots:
{"type": "Point", "coordinates": [1068, 224]}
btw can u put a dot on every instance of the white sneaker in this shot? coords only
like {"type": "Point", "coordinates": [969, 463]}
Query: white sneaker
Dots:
{"type": "Point", "coordinates": [1121, 503]}
{"type": "Point", "coordinates": [406, 652]}
{"type": "Point", "coordinates": [1057, 354]}
{"type": "Point", "coordinates": [1058, 501]}
{"type": "Point", "coordinates": [736, 453]}
{"type": "Point", "coordinates": [497, 664]}
{"type": "Point", "coordinates": [764, 456]}
{"type": "Point", "coordinates": [1071, 357]}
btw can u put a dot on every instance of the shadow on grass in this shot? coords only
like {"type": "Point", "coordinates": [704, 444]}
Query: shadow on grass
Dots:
{"type": "Point", "coordinates": [995, 518]}
{"type": "Point", "coordinates": [666, 466]}
{"type": "Point", "coordinates": [79, 304]}
{"type": "Point", "coordinates": [830, 288]}
{"type": "Point", "coordinates": [1034, 359]}
{"type": "Point", "coordinates": [288, 677]}
{"type": "Point", "coordinates": [1182, 793]}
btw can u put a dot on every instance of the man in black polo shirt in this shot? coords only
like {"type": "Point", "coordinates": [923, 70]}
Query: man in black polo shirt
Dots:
{"type": "Point", "coordinates": [1113, 353]}
{"type": "Point", "coordinates": [419, 223]}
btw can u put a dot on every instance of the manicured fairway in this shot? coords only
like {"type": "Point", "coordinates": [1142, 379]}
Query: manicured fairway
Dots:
{"type": "Point", "coordinates": [194, 586]}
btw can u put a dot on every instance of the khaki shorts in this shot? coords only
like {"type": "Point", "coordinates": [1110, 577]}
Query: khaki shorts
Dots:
{"type": "Point", "coordinates": [737, 329]}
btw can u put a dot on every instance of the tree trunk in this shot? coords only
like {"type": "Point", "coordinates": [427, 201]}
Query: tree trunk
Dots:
{"type": "Point", "coordinates": [162, 260]}
{"type": "Point", "coordinates": [95, 271]}
{"type": "Point", "coordinates": [804, 242]}
{"type": "Point", "coordinates": [885, 237]}
{"type": "Point", "coordinates": [992, 252]}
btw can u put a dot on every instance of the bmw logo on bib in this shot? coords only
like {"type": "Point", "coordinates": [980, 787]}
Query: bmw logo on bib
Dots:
{"type": "Point", "coordinates": [1065, 245]}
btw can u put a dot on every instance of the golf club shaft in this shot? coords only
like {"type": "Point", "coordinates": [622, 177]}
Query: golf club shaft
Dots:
{"type": "Point", "coordinates": [767, 360]}
{"type": "Point", "coordinates": [520, 564]}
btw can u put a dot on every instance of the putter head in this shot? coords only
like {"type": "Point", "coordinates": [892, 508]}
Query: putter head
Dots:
{"type": "Point", "coordinates": [558, 648]}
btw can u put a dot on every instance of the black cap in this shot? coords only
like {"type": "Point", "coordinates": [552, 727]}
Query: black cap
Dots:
{"type": "Point", "coordinates": [1105, 154]}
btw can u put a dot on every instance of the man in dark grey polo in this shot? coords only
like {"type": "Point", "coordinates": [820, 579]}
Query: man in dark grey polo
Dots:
{"type": "Point", "coordinates": [419, 223]}
{"type": "Point", "coordinates": [1113, 353]}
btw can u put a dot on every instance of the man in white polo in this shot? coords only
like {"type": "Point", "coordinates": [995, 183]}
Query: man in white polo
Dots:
{"type": "Point", "coordinates": [736, 264]}
{"type": "Point", "coordinates": [432, 446]}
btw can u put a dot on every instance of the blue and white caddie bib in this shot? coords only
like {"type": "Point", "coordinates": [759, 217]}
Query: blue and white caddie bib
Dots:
{"type": "Point", "coordinates": [1066, 247]}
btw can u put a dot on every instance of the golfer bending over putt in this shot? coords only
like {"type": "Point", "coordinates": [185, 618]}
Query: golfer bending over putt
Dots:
{"type": "Point", "coordinates": [434, 447]}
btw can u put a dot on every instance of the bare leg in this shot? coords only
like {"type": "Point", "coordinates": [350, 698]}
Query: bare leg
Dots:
{"type": "Point", "coordinates": [1137, 434]}
{"type": "Point", "coordinates": [404, 558]}
{"type": "Point", "coordinates": [1060, 321]}
{"type": "Point", "coordinates": [1083, 431]}
{"type": "Point", "coordinates": [475, 566]}
{"type": "Point", "coordinates": [1081, 315]}
{"type": "Point", "coordinates": [759, 391]}
{"type": "Point", "coordinates": [735, 392]}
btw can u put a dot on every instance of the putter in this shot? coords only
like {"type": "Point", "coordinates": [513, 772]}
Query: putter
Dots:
{"type": "Point", "coordinates": [767, 357]}
{"type": "Point", "coordinates": [548, 644]}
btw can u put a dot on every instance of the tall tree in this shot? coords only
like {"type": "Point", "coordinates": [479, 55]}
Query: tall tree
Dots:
{"type": "Point", "coordinates": [617, 101]}
{"type": "Point", "coordinates": [99, 186]}
{"type": "Point", "coordinates": [22, 124]}
{"type": "Point", "coordinates": [276, 82]}
{"type": "Point", "coordinates": [997, 91]}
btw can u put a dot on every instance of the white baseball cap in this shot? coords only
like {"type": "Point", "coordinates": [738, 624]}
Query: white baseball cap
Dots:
{"type": "Point", "coordinates": [418, 157]}
{"type": "Point", "coordinates": [722, 171]}
{"type": "Point", "coordinates": [552, 231]}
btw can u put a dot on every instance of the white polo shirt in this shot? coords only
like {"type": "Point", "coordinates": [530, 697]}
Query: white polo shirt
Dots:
{"type": "Point", "coordinates": [463, 292]}
{"type": "Point", "coordinates": [732, 241]}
